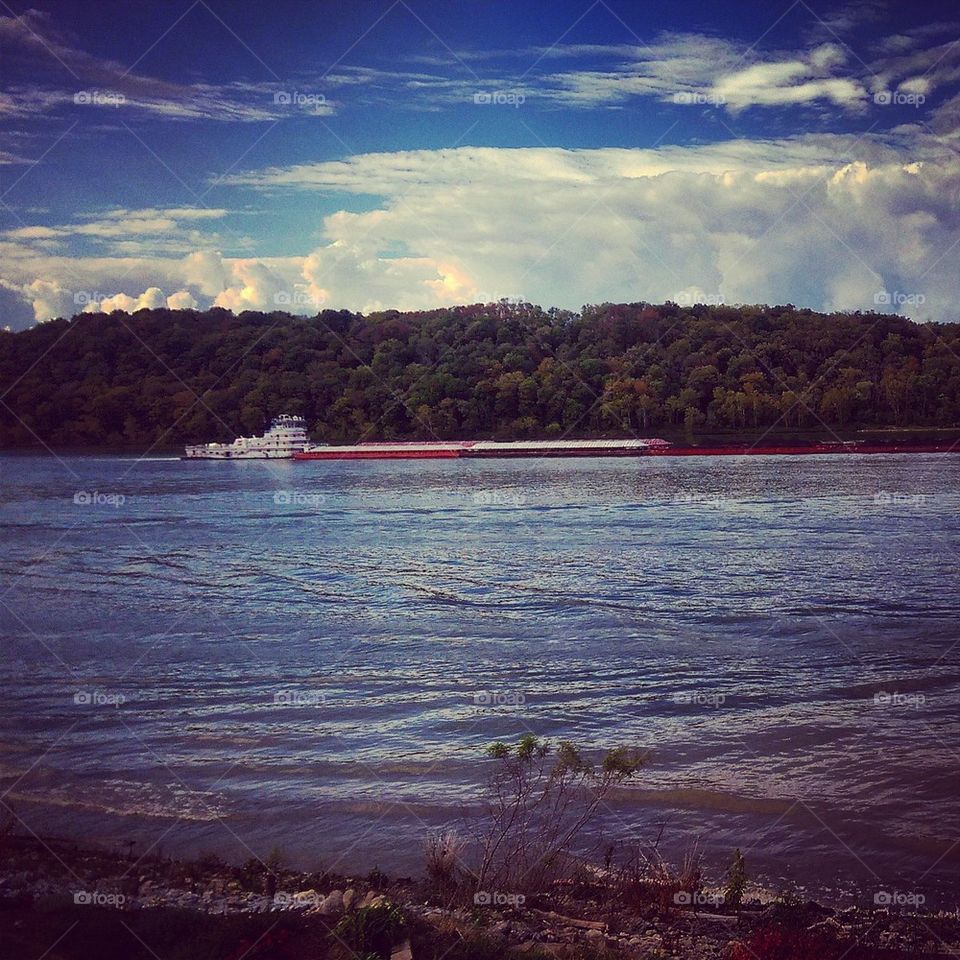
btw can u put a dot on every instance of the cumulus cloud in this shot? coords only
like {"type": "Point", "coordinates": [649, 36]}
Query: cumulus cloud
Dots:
{"type": "Point", "coordinates": [48, 299]}
{"type": "Point", "coordinates": [182, 300]}
{"type": "Point", "coordinates": [150, 299]}
{"type": "Point", "coordinates": [824, 221]}
{"type": "Point", "coordinates": [803, 220]}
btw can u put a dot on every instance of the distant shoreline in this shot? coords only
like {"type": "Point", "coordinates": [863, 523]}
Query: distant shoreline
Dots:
{"type": "Point", "coordinates": [894, 440]}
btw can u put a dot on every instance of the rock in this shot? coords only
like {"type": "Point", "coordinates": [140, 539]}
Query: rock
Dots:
{"type": "Point", "coordinates": [307, 896]}
{"type": "Point", "coordinates": [593, 935]}
{"type": "Point", "coordinates": [332, 905]}
{"type": "Point", "coordinates": [368, 898]}
{"type": "Point", "coordinates": [403, 952]}
{"type": "Point", "coordinates": [349, 895]}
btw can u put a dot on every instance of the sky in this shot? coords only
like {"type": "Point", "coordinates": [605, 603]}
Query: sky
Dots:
{"type": "Point", "coordinates": [416, 154]}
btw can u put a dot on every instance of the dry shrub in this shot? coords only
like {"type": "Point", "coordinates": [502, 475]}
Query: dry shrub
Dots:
{"type": "Point", "coordinates": [443, 860]}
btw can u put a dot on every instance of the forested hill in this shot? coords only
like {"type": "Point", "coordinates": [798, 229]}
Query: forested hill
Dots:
{"type": "Point", "coordinates": [162, 377]}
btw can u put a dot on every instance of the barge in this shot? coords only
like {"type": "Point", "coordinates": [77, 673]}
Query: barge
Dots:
{"type": "Point", "coordinates": [650, 447]}
{"type": "Point", "coordinates": [478, 449]}
{"type": "Point", "coordinates": [286, 439]}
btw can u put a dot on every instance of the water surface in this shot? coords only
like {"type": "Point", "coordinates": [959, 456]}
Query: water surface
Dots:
{"type": "Point", "coordinates": [312, 656]}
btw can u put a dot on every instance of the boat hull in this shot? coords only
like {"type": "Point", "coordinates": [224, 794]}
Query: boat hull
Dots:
{"type": "Point", "coordinates": [379, 455]}
{"type": "Point", "coordinates": [479, 450]}
{"type": "Point", "coordinates": [810, 450]}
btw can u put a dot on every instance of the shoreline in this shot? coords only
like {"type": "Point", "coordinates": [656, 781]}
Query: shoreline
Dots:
{"type": "Point", "coordinates": [333, 453]}
{"type": "Point", "coordinates": [739, 443]}
{"type": "Point", "coordinates": [52, 887]}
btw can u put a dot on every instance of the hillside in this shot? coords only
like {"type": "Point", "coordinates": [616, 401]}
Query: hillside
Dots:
{"type": "Point", "coordinates": [159, 378]}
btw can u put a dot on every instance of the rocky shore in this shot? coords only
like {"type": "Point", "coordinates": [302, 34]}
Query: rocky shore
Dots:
{"type": "Point", "coordinates": [63, 902]}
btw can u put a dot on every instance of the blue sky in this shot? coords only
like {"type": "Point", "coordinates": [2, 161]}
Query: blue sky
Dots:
{"type": "Point", "coordinates": [414, 154]}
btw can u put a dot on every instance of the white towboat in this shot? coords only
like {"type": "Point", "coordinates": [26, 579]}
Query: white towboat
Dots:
{"type": "Point", "coordinates": [286, 436]}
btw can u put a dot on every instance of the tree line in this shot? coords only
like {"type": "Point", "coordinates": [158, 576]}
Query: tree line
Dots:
{"type": "Point", "coordinates": [160, 378]}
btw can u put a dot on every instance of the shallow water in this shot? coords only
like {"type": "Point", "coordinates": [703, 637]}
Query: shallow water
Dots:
{"type": "Point", "coordinates": [312, 656]}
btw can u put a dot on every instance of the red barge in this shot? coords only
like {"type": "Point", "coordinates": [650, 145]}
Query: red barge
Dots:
{"type": "Point", "coordinates": [477, 449]}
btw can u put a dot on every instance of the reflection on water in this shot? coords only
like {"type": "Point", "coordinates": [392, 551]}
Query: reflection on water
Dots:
{"type": "Point", "coordinates": [239, 656]}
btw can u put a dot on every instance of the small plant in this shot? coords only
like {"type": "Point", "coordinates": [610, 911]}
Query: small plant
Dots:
{"type": "Point", "coordinates": [736, 881]}
{"type": "Point", "coordinates": [205, 865]}
{"type": "Point", "coordinates": [372, 930]}
{"type": "Point", "coordinates": [443, 854]}
{"type": "Point", "coordinates": [648, 881]}
{"type": "Point", "coordinates": [276, 861]}
{"type": "Point", "coordinates": [540, 800]}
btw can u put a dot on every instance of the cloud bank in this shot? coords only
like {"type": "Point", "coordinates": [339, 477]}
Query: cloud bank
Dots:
{"type": "Point", "coordinates": [833, 222]}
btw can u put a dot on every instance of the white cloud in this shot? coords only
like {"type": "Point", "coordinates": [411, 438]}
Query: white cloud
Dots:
{"type": "Point", "coordinates": [789, 82]}
{"type": "Point", "coordinates": [803, 220]}
{"type": "Point", "coordinates": [695, 69]}
{"type": "Point", "coordinates": [252, 285]}
{"type": "Point", "coordinates": [822, 221]}
{"type": "Point", "coordinates": [182, 300]}
{"type": "Point", "coordinates": [48, 299]}
{"type": "Point", "coordinates": [148, 230]}
{"type": "Point", "coordinates": [150, 299]}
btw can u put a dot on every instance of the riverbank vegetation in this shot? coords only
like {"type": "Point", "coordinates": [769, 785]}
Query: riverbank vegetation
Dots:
{"type": "Point", "coordinates": [159, 378]}
{"type": "Point", "coordinates": [517, 886]}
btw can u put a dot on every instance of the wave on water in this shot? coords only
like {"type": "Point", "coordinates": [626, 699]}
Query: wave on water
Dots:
{"type": "Point", "coordinates": [130, 798]}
